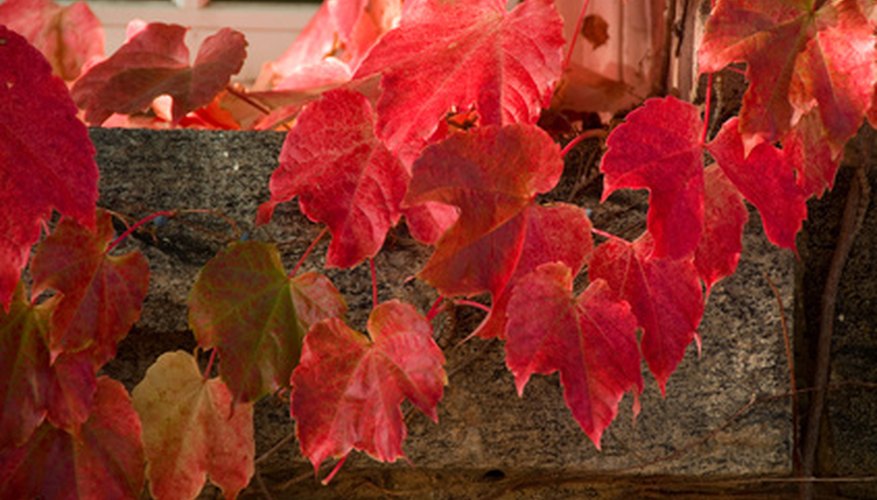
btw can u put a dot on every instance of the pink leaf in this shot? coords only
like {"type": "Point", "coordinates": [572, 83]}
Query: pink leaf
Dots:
{"type": "Point", "coordinates": [448, 56]}
{"type": "Point", "coordinates": [343, 175]}
{"type": "Point", "coordinates": [659, 148]}
{"type": "Point", "coordinates": [492, 174]}
{"type": "Point", "coordinates": [347, 389]}
{"type": "Point", "coordinates": [664, 294]}
{"type": "Point", "coordinates": [555, 233]}
{"type": "Point", "coordinates": [589, 339]}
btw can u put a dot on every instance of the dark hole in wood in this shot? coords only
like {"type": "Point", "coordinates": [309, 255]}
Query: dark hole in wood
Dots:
{"type": "Point", "coordinates": [493, 475]}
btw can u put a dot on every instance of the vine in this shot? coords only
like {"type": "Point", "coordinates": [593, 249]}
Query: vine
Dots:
{"type": "Point", "coordinates": [450, 144]}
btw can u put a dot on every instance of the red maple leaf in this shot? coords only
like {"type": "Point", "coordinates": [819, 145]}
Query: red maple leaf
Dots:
{"type": "Point", "coordinates": [798, 53]}
{"type": "Point", "coordinates": [343, 176]}
{"type": "Point", "coordinates": [154, 62]}
{"type": "Point", "coordinates": [46, 157]}
{"type": "Point", "coordinates": [766, 178]}
{"type": "Point", "coordinates": [659, 148]}
{"type": "Point", "coordinates": [725, 215]}
{"type": "Point", "coordinates": [71, 391]}
{"type": "Point", "coordinates": [664, 294]}
{"type": "Point", "coordinates": [492, 174]}
{"type": "Point", "coordinates": [104, 459]}
{"type": "Point", "coordinates": [192, 429]}
{"type": "Point", "coordinates": [589, 339]}
{"type": "Point", "coordinates": [244, 305]}
{"type": "Point", "coordinates": [555, 233]}
{"type": "Point", "coordinates": [101, 295]}
{"type": "Point", "coordinates": [347, 390]}
{"type": "Point", "coordinates": [448, 56]}
{"type": "Point", "coordinates": [69, 36]}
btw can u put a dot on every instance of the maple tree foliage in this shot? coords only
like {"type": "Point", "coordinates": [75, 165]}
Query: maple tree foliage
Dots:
{"type": "Point", "coordinates": [46, 158]}
{"type": "Point", "coordinates": [104, 459]}
{"type": "Point", "coordinates": [343, 175]}
{"type": "Point", "coordinates": [69, 37]}
{"type": "Point", "coordinates": [192, 430]}
{"type": "Point", "coordinates": [153, 62]}
{"type": "Point", "coordinates": [244, 305]}
{"type": "Point", "coordinates": [589, 339]}
{"type": "Point", "coordinates": [348, 388]}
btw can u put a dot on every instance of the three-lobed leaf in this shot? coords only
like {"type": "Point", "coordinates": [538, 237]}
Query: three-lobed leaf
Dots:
{"type": "Point", "coordinates": [664, 294]}
{"type": "Point", "coordinates": [659, 148]}
{"type": "Point", "coordinates": [244, 305]}
{"type": "Point", "coordinates": [46, 158]}
{"type": "Point", "coordinates": [589, 339]}
{"type": "Point", "coordinates": [343, 175]}
{"type": "Point", "coordinates": [155, 61]}
{"type": "Point", "coordinates": [101, 295]}
{"type": "Point", "coordinates": [492, 175]}
{"type": "Point", "coordinates": [555, 233]}
{"type": "Point", "coordinates": [796, 57]}
{"type": "Point", "coordinates": [448, 56]}
{"type": "Point", "coordinates": [192, 430]}
{"type": "Point", "coordinates": [347, 390]}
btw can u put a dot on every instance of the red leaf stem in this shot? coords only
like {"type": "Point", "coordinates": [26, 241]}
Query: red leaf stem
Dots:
{"type": "Point", "coordinates": [575, 36]}
{"type": "Point", "coordinates": [472, 303]}
{"type": "Point", "coordinates": [210, 364]}
{"type": "Point", "coordinates": [435, 309]}
{"type": "Point", "coordinates": [137, 225]}
{"type": "Point", "coordinates": [600, 232]}
{"type": "Point", "coordinates": [308, 251]}
{"type": "Point", "coordinates": [587, 134]}
{"type": "Point", "coordinates": [335, 470]}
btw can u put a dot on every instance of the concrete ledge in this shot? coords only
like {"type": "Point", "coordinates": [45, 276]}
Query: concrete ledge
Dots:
{"type": "Point", "coordinates": [719, 419]}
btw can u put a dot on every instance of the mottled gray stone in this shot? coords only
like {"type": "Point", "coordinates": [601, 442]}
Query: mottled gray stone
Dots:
{"type": "Point", "coordinates": [486, 436]}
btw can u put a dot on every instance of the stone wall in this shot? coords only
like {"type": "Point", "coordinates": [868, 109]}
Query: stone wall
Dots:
{"type": "Point", "coordinates": [725, 414]}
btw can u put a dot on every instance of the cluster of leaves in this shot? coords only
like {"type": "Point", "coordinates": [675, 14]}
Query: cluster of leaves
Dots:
{"type": "Point", "coordinates": [379, 90]}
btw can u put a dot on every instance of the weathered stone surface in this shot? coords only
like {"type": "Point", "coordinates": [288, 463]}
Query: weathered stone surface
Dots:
{"type": "Point", "coordinates": [719, 418]}
{"type": "Point", "coordinates": [848, 438]}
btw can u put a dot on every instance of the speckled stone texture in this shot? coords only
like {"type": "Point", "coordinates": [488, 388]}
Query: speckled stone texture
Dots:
{"type": "Point", "coordinates": [724, 414]}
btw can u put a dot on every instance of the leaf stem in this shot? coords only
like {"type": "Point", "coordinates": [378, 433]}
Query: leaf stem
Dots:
{"type": "Point", "coordinates": [210, 364]}
{"type": "Point", "coordinates": [472, 303]}
{"type": "Point", "coordinates": [137, 225]}
{"type": "Point", "coordinates": [706, 108]}
{"type": "Point", "coordinates": [247, 99]}
{"type": "Point", "coordinates": [576, 34]}
{"type": "Point", "coordinates": [600, 232]}
{"type": "Point", "coordinates": [335, 470]}
{"type": "Point", "coordinates": [308, 251]}
{"type": "Point", "coordinates": [435, 309]}
{"type": "Point", "coordinates": [374, 273]}
{"type": "Point", "coordinates": [587, 134]}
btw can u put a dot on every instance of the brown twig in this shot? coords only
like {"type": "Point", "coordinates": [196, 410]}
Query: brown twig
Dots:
{"type": "Point", "coordinates": [851, 222]}
{"type": "Point", "coordinates": [790, 360]}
